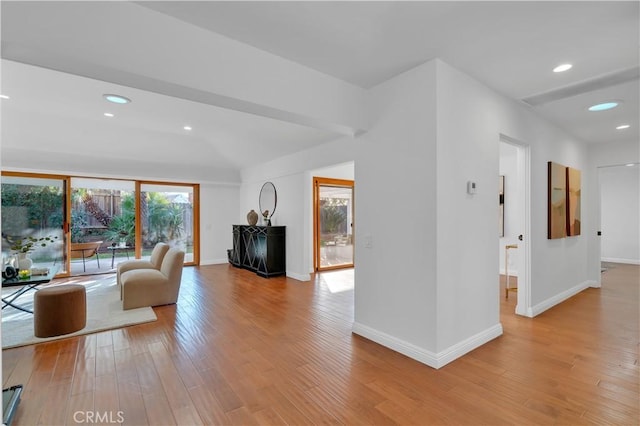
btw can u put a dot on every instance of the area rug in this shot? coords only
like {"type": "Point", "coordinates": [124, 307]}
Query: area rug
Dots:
{"type": "Point", "coordinates": [104, 312]}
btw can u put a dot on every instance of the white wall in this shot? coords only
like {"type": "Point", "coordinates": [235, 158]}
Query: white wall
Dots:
{"type": "Point", "coordinates": [339, 171]}
{"type": "Point", "coordinates": [218, 211]}
{"type": "Point", "coordinates": [428, 286]}
{"type": "Point", "coordinates": [395, 173]}
{"type": "Point", "coordinates": [469, 127]}
{"type": "Point", "coordinates": [558, 267]}
{"type": "Point", "coordinates": [291, 177]}
{"type": "Point", "coordinates": [620, 214]}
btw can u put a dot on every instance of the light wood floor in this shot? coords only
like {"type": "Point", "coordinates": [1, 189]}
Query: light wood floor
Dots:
{"type": "Point", "coordinates": [241, 350]}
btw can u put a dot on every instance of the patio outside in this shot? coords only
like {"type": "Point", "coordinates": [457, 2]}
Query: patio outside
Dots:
{"type": "Point", "coordinates": [103, 218]}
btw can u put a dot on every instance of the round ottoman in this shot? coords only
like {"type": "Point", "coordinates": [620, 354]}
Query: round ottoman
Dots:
{"type": "Point", "coordinates": [58, 310]}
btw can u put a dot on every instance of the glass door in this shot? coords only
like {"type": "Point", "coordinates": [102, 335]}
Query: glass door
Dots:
{"type": "Point", "coordinates": [168, 213]}
{"type": "Point", "coordinates": [333, 223]}
{"type": "Point", "coordinates": [85, 225]}
{"type": "Point", "coordinates": [102, 224]}
{"type": "Point", "coordinates": [34, 219]}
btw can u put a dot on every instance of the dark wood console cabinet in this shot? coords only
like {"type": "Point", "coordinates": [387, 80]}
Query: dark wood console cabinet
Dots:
{"type": "Point", "coordinates": [260, 249]}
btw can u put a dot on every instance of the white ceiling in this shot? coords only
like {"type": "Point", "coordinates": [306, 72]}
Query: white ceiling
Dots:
{"type": "Point", "coordinates": [59, 59]}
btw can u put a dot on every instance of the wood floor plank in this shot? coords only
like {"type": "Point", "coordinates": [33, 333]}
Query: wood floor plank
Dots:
{"type": "Point", "coordinates": [31, 404]}
{"type": "Point", "coordinates": [148, 377]}
{"type": "Point", "coordinates": [55, 407]}
{"type": "Point", "coordinates": [223, 392]}
{"type": "Point", "coordinates": [174, 388]}
{"type": "Point", "coordinates": [79, 405]}
{"type": "Point", "coordinates": [106, 394]}
{"type": "Point", "coordinates": [21, 369]}
{"type": "Point", "coordinates": [83, 382]}
{"type": "Point", "coordinates": [132, 405]}
{"type": "Point", "coordinates": [238, 349]}
{"type": "Point", "coordinates": [241, 416]}
{"type": "Point", "coordinates": [65, 367]}
{"type": "Point", "coordinates": [208, 407]}
{"type": "Point", "coordinates": [158, 410]}
{"type": "Point", "coordinates": [105, 361]}
{"type": "Point", "coordinates": [302, 403]}
{"type": "Point", "coordinates": [267, 416]}
{"type": "Point", "coordinates": [292, 413]}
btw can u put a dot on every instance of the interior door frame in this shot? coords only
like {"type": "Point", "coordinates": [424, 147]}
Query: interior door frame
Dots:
{"type": "Point", "coordinates": [323, 181]}
{"type": "Point", "coordinates": [523, 306]}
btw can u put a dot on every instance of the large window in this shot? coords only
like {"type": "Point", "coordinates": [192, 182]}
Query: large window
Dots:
{"type": "Point", "coordinates": [102, 212]}
{"type": "Point", "coordinates": [33, 212]}
{"type": "Point", "coordinates": [86, 225]}
{"type": "Point", "coordinates": [167, 215]}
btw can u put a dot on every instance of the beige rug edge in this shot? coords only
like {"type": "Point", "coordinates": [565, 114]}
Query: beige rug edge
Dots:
{"type": "Point", "coordinates": [104, 312]}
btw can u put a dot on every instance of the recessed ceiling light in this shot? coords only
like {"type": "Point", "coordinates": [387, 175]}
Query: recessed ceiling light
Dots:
{"type": "Point", "coordinates": [187, 127]}
{"type": "Point", "coordinates": [108, 114]}
{"type": "Point", "coordinates": [117, 99]}
{"type": "Point", "coordinates": [623, 126]}
{"type": "Point", "coordinates": [4, 97]}
{"type": "Point", "coordinates": [562, 68]}
{"type": "Point", "coordinates": [630, 164]}
{"type": "Point", "coordinates": [603, 106]}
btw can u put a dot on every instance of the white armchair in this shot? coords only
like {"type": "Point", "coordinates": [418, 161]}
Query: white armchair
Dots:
{"type": "Point", "coordinates": [154, 262]}
{"type": "Point", "coordinates": [150, 287]}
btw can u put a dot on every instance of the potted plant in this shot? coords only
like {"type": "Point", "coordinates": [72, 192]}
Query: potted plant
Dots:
{"type": "Point", "coordinates": [22, 246]}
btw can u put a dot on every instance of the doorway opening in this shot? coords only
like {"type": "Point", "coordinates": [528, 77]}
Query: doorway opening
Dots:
{"type": "Point", "coordinates": [514, 228]}
{"type": "Point", "coordinates": [619, 211]}
{"type": "Point", "coordinates": [333, 223]}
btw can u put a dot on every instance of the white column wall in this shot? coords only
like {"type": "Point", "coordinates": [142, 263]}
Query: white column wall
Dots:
{"type": "Point", "coordinates": [467, 231]}
{"type": "Point", "coordinates": [395, 170]}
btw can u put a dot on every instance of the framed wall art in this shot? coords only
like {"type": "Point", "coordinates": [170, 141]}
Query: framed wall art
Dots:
{"type": "Point", "coordinates": [573, 201]}
{"type": "Point", "coordinates": [557, 201]}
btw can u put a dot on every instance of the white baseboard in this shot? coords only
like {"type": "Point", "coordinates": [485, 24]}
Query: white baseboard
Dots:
{"type": "Point", "coordinates": [432, 359]}
{"type": "Point", "coordinates": [560, 297]}
{"type": "Point", "coordinates": [299, 277]}
{"type": "Point", "coordinates": [619, 260]}
{"type": "Point", "coordinates": [461, 348]}
{"type": "Point", "coordinates": [523, 311]}
{"type": "Point", "coordinates": [594, 284]}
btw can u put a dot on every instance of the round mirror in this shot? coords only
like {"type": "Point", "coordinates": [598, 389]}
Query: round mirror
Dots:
{"type": "Point", "coordinates": [268, 200]}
